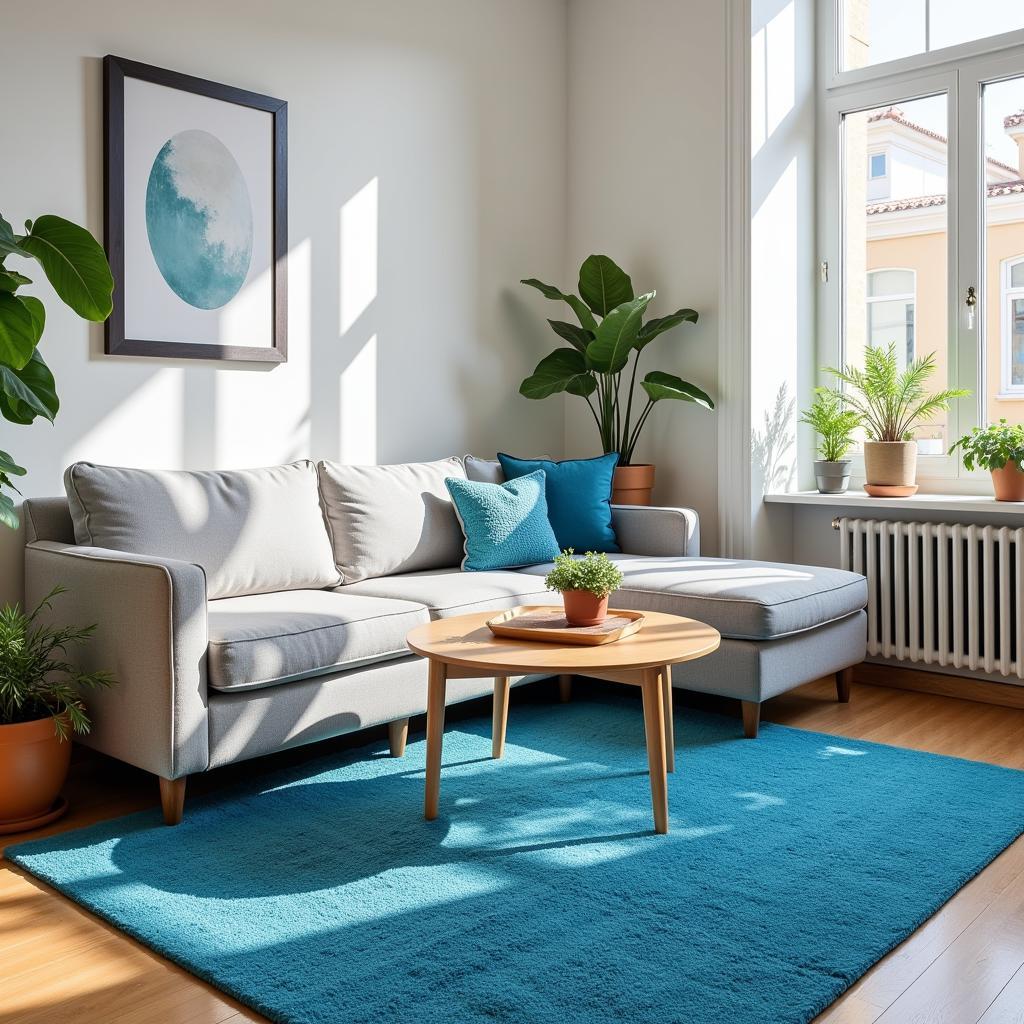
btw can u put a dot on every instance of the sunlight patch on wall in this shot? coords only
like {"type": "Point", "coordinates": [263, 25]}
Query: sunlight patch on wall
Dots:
{"type": "Point", "coordinates": [358, 441]}
{"type": "Point", "coordinates": [358, 251]}
{"type": "Point", "coordinates": [772, 75]}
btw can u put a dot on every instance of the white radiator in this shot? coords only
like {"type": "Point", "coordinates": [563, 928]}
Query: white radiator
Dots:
{"type": "Point", "coordinates": [941, 593]}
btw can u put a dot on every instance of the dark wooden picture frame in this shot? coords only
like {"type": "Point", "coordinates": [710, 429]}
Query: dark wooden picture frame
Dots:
{"type": "Point", "coordinates": [115, 71]}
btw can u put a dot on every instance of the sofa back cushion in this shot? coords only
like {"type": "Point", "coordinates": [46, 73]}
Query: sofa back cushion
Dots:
{"type": "Point", "coordinates": [253, 531]}
{"type": "Point", "coordinates": [391, 519]}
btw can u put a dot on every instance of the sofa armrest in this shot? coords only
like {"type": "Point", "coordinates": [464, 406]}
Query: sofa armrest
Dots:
{"type": "Point", "coordinates": [659, 532]}
{"type": "Point", "coordinates": [151, 635]}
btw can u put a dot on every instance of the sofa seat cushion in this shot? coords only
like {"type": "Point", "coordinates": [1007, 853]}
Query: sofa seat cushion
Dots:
{"type": "Point", "coordinates": [448, 592]}
{"type": "Point", "coordinates": [265, 639]}
{"type": "Point", "coordinates": [746, 600]}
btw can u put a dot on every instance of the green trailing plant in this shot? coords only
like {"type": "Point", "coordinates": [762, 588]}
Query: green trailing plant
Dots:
{"type": "Point", "coordinates": [601, 363]}
{"type": "Point", "coordinates": [593, 572]}
{"type": "Point", "coordinates": [76, 266]}
{"type": "Point", "coordinates": [35, 678]}
{"type": "Point", "coordinates": [891, 402]}
{"type": "Point", "coordinates": [992, 447]}
{"type": "Point", "coordinates": [832, 422]}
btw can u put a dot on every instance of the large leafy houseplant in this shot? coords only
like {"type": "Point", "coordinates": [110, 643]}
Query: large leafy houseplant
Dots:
{"type": "Point", "coordinates": [76, 266]}
{"type": "Point", "coordinates": [999, 448]}
{"type": "Point", "coordinates": [601, 363]}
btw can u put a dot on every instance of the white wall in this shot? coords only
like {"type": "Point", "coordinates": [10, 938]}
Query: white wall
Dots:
{"type": "Point", "coordinates": [646, 86]}
{"type": "Point", "coordinates": [427, 161]}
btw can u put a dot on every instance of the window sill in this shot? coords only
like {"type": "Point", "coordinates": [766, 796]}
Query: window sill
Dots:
{"type": "Point", "coordinates": [927, 502]}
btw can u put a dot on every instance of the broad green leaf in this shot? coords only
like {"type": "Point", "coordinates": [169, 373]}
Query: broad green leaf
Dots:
{"type": "Point", "coordinates": [8, 465]}
{"type": "Point", "coordinates": [616, 335]}
{"type": "Point", "coordinates": [11, 280]}
{"type": "Point", "coordinates": [660, 324]}
{"type": "Point", "coordinates": [576, 336]}
{"type": "Point", "coordinates": [604, 285]}
{"type": "Point", "coordinates": [28, 392]}
{"type": "Point", "coordinates": [660, 385]}
{"type": "Point", "coordinates": [8, 516]}
{"type": "Point", "coordinates": [9, 242]}
{"type": "Point", "coordinates": [19, 331]}
{"type": "Point", "coordinates": [564, 370]}
{"type": "Point", "coordinates": [549, 291]}
{"type": "Point", "coordinates": [75, 264]}
{"type": "Point", "coordinates": [36, 310]}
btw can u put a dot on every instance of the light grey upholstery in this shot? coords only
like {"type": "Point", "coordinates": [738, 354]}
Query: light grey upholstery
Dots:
{"type": "Point", "coordinates": [48, 519]}
{"type": "Point", "coordinates": [741, 599]}
{"type": "Point", "coordinates": [253, 530]}
{"type": "Point", "coordinates": [391, 519]}
{"type": "Point", "coordinates": [448, 592]}
{"type": "Point", "coordinates": [651, 530]}
{"type": "Point", "coordinates": [755, 671]}
{"type": "Point", "coordinates": [151, 635]}
{"type": "Point", "coordinates": [265, 639]}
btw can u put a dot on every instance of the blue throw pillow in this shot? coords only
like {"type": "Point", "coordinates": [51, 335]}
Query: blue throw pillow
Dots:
{"type": "Point", "coordinates": [505, 525]}
{"type": "Point", "coordinates": [578, 493]}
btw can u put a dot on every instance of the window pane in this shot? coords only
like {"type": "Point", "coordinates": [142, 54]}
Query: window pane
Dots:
{"type": "Point", "coordinates": [894, 241]}
{"type": "Point", "coordinates": [1000, 313]}
{"type": "Point", "coordinates": [891, 282]}
{"type": "Point", "coordinates": [878, 165]}
{"type": "Point", "coordinates": [955, 21]}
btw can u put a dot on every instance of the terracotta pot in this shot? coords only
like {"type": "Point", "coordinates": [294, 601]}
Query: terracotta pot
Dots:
{"type": "Point", "coordinates": [1008, 483]}
{"type": "Point", "coordinates": [890, 463]}
{"type": "Point", "coordinates": [33, 767]}
{"type": "Point", "coordinates": [582, 608]}
{"type": "Point", "coordinates": [632, 485]}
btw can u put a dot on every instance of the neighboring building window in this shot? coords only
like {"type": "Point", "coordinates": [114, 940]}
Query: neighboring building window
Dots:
{"type": "Point", "coordinates": [877, 165]}
{"type": "Point", "coordinates": [1012, 314]}
{"type": "Point", "coordinates": [890, 306]}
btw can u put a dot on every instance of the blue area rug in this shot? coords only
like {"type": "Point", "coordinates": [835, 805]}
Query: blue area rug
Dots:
{"type": "Point", "coordinates": [541, 895]}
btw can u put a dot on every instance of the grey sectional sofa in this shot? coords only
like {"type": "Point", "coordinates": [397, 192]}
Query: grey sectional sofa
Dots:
{"type": "Point", "coordinates": [247, 612]}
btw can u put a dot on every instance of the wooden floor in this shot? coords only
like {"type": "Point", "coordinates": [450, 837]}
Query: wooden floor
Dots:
{"type": "Point", "coordinates": [963, 966]}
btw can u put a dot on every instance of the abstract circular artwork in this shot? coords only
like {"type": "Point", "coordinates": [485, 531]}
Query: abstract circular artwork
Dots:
{"type": "Point", "coordinates": [199, 219]}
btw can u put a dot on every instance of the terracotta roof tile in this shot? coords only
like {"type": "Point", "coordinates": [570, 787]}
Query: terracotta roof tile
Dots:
{"type": "Point", "coordinates": [999, 188]}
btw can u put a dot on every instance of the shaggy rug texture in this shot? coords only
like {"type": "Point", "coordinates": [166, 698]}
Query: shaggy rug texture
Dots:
{"type": "Point", "coordinates": [541, 894]}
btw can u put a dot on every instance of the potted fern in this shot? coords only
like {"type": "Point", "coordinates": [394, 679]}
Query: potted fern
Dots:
{"type": "Point", "coordinates": [835, 425]}
{"type": "Point", "coordinates": [601, 364]}
{"type": "Point", "coordinates": [585, 585]}
{"type": "Point", "coordinates": [891, 402]}
{"type": "Point", "coordinates": [999, 448]}
{"type": "Point", "coordinates": [40, 707]}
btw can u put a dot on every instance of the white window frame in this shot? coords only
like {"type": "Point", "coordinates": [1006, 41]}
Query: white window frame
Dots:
{"type": "Point", "coordinates": [959, 72]}
{"type": "Point", "coordinates": [1007, 293]}
{"type": "Point", "coordinates": [911, 296]}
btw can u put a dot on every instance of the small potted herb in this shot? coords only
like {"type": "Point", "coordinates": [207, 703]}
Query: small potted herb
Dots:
{"type": "Point", "coordinates": [584, 584]}
{"type": "Point", "coordinates": [834, 424]}
{"type": "Point", "coordinates": [999, 448]}
{"type": "Point", "coordinates": [40, 707]}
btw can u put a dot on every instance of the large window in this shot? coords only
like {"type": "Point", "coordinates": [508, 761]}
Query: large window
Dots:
{"type": "Point", "coordinates": [921, 201]}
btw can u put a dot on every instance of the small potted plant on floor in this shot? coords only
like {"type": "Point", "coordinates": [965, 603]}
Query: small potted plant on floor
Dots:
{"type": "Point", "coordinates": [584, 584]}
{"type": "Point", "coordinates": [891, 402]}
{"type": "Point", "coordinates": [40, 707]}
{"type": "Point", "coordinates": [999, 448]}
{"type": "Point", "coordinates": [835, 425]}
{"type": "Point", "coordinates": [600, 365]}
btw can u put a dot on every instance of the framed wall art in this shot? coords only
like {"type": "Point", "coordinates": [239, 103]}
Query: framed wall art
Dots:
{"type": "Point", "coordinates": [196, 216]}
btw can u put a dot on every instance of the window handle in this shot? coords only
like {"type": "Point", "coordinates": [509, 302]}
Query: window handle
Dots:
{"type": "Point", "coordinates": [971, 302]}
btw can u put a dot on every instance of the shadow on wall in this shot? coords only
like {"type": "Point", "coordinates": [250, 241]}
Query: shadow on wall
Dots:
{"type": "Point", "coordinates": [773, 447]}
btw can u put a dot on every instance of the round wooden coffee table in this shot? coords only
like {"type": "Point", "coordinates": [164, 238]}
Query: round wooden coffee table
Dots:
{"type": "Point", "coordinates": [464, 648]}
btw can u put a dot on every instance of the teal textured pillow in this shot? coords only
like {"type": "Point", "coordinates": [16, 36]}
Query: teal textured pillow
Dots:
{"type": "Point", "coordinates": [579, 494]}
{"type": "Point", "coordinates": [505, 525]}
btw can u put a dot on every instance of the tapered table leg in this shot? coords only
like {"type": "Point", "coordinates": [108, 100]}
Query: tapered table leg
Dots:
{"type": "Point", "coordinates": [666, 705]}
{"type": "Point", "coordinates": [654, 727]}
{"type": "Point", "coordinates": [435, 734]}
{"type": "Point", "coordinates": [500, 717]}
{"type": "Point", "coordinates": [565, 688]}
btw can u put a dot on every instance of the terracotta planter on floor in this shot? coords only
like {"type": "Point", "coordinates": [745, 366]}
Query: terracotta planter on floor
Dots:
{"type": "Point", "coordinates": [890, 468]}
{"type": "Point", "coordinates": [1008, 483]}
{"type": "Point", "coordinates": [582, 608]}
{"type": "Point", "coordinates": [632, 485]}
{"type": "Point", "coordinates": [33, 767]}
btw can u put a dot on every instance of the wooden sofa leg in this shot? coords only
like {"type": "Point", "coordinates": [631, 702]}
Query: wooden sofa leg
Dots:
{"type": "Point", "coordinates": [172, 799]}
{"type": "Point", "coordinates": [751, 718]}
{"type": "Point", "coordinates": [398, 733]}
{"type": "Point", "coordinates": [565, 689]}
{"type": "Point", "coordinates": [843, 681]}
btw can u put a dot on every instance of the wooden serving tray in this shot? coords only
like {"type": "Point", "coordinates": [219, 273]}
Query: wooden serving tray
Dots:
{"type": "Point", "coordinates": [547, 623]}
